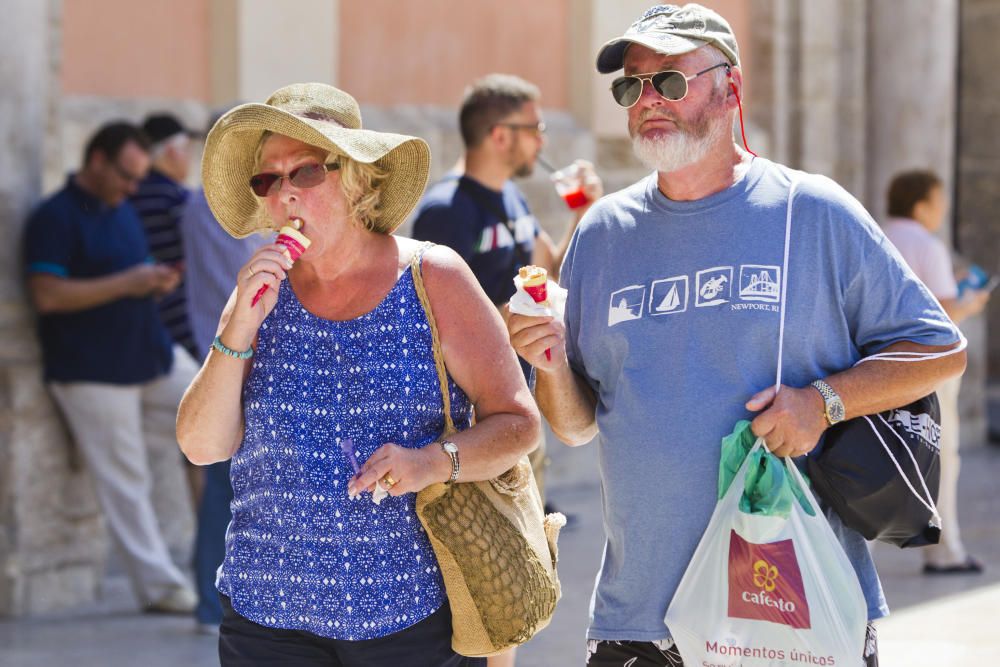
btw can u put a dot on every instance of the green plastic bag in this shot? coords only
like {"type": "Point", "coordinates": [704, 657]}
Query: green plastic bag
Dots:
{"type": "Point", "coordinates": [768, 490]}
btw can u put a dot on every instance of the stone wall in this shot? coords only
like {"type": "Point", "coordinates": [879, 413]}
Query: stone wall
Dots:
{"type": "Point", "coordinates": [51, 536]}
{"type": "Point", "coordinates": [53, 544]}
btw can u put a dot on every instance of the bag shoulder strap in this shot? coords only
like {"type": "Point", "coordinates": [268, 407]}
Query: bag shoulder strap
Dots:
{"type": "Point", "coordinates": [416, 269]}
{"type": "Point", "coordinates": [784, 281]}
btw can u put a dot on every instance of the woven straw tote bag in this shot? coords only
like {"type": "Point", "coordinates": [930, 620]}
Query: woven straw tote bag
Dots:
{"type": "Point", "coordinates": [496, 550]}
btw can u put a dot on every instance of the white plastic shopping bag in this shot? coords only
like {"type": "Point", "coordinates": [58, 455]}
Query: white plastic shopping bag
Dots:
{"type": "Point", "coordinates": [768, 589]}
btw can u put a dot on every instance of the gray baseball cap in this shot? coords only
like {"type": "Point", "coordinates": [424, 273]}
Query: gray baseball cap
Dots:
{"type": "Point", "coordinates": [671, 30]}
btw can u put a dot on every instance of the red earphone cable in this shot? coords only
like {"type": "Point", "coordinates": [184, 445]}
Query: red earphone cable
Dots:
{"type": "Point", "coordinates": [739, 104]}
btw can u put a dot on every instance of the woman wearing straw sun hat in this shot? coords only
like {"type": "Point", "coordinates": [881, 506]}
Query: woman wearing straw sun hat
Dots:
{"type": "Point", "coordinates": [329, 367]}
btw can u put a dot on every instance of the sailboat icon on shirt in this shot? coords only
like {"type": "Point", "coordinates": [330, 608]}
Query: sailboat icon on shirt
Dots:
{"type": "Point", "coordinates": [669, 296]}
{"type": "Point", "coordinates": [670, 301]}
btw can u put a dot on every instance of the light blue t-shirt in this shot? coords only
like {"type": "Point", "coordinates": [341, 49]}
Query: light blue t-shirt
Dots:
{"type": "Point", "coordinates": [672, 318]}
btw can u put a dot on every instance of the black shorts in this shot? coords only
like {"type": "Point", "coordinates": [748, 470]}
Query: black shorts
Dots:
{"type": "Point", "coordinates": [650, 654]}
{"type": "Point", "coordinates": [243, 643]}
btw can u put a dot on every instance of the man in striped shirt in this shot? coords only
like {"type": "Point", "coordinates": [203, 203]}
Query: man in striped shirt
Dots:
{"type": "Point", "coordinates": [160, 200]}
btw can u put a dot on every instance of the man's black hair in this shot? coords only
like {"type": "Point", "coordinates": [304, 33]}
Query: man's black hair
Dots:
{"type": "Point", "coordinates": [110, 138]}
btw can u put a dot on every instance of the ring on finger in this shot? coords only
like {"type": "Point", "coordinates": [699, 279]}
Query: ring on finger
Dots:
{"type": "Point", "coordinates": [251, 271]}
{"type": "Point", "coordinates": [388, 482]}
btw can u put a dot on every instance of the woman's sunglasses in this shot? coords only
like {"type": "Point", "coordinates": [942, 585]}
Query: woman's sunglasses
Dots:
{"type": "Point", "coordinates": [307, 176]}
{"type": "Point", "coordinates": [670, 84]}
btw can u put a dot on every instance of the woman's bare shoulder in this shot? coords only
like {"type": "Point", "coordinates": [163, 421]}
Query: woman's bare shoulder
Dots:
{"type": "Point", "coordinates": [438, 263]}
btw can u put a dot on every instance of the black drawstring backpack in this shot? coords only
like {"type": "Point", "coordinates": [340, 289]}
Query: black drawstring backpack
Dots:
{"type": "Point", "coordinates": [871, 471]}
{"type": "Point", "coordinates": [880, 473]}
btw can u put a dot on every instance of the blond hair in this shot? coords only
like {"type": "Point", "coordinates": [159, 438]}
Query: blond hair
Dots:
{"type": "Point", "coordinates": [360, 182]}
{"type": "Point", "coordinates": [362, 185]}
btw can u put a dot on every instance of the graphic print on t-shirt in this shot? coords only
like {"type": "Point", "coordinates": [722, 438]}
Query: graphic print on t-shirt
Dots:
{"type": "Point", "coordinates": [760, 283]}
{"type": "Point", "coordinates": [626, 304]}
{"type": "Point", "coordinates": [669, 296]}
{"type": "Point", "coordinates": [755, 288]}
{"type": "Point", "coordinates": [498, 236]}
{"type": "Point", "coordinates": [714, 286]}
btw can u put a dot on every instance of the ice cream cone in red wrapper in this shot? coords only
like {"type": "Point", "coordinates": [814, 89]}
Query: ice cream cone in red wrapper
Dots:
{"type": "Point", "coordinates": [534, 280]}
{"type": "Point", "coordinates": [294, 242]}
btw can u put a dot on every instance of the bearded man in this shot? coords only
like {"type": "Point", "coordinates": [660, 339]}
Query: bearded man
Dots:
{"type": "Point", "coordinates": [672, 325]}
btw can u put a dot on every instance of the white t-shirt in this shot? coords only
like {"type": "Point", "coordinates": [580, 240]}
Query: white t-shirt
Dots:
{"type": "Point", "coordinates": [926, 255]}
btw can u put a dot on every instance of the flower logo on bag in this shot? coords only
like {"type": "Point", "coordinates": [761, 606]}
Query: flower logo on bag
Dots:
{"type": "Point", "coordinates": [764, 575]}
{"type": "Point", "coordinates": [765, 583]}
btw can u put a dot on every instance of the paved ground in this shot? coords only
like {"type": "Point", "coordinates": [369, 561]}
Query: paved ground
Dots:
{"type": "Point", "coordinates": [937, 622]}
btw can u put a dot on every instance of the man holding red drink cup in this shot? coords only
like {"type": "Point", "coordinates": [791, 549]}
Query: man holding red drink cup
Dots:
{"type": "Point", "coordinates": [477, 209]}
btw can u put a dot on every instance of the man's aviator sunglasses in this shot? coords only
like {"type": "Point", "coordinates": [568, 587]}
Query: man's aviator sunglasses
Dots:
{"type": "Point", "coordinates": [307, 176]}
{"type": "Point", "coordinates": [670, 84]}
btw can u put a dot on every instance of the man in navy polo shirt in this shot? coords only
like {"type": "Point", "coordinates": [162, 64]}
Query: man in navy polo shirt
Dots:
{"type": "Point", "coordinates": [108, 360]}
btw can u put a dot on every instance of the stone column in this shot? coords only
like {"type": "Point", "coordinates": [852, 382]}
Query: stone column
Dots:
{"type": "Point", "coordinates": [807, 82]}
{"type": "Point", "coordinates": [977, 187]}
{"type": "Point", "coordinates": [860, 89]}
{"type": "Point", "coordinates": [913, 62]}
{"type": "Point", "coordinates": [913, 93]}
{"type": "Point", "coordinates": [843, 87]}
{"type": "Point", "coordinates": [600, 128]}
{"type": "Point", "coordinates": [51, 548]}
{"type": "Point", "coordinates": [259, 46]}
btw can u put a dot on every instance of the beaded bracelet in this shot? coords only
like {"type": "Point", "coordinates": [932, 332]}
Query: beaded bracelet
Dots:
{"type": "Point", "coordinates": [221, 347]}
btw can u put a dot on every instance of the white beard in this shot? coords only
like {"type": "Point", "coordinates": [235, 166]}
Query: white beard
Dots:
{"type": "Point", "coordinates": [672, 152]}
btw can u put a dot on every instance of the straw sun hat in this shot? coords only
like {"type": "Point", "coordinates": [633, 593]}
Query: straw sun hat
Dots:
{"type": "Point", "coordinates": [319, 115]}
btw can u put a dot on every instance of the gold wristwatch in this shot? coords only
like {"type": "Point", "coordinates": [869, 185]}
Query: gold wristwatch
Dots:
{"type": "Point", "coordinates": [834, 407]}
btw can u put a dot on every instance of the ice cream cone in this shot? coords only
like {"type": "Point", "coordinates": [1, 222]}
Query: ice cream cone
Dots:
{"type": "Point", "coordinates": [294, 242]}
{"type": "Point", "coordinates": [534, 280]}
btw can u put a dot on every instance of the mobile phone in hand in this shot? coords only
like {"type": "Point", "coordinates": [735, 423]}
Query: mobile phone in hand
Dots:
{"type": "Point", "coordinates": [976, 279]}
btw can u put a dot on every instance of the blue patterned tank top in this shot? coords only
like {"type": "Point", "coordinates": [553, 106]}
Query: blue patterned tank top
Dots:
{"type": "Point", "coordinates": [299, 553]}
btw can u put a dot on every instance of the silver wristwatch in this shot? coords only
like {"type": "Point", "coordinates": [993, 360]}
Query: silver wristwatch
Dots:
{"type": "Point", "coordinates": [834, 410]}
{"type": "Point", "coordinates": [451, 449]}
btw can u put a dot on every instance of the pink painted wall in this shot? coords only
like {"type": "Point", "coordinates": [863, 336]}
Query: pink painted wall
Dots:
{"type": "Point", "coordinates": [394, 52]}
{"type": "Point", "coordinates": [416, 52]}
{"type": "Point", "coordinates": [127, 48]}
